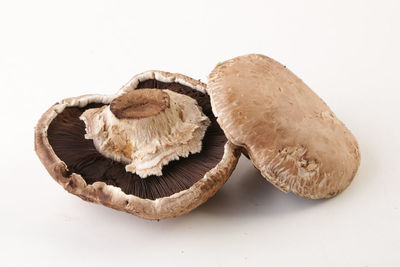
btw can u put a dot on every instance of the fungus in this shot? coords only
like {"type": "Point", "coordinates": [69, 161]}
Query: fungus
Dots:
{"type": "Point", "coordinates": [288, 132]}
{"type": "Point", "coordinates": [170, 113]}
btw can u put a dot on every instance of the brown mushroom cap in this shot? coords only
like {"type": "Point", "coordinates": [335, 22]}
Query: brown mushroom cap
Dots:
{"type": "Point", "coordinates": [290, 134]}
{"type": "Point", "coordinates": [150, 198]}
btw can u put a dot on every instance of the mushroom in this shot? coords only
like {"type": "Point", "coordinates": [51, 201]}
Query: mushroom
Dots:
{"type": "Point", "coordinates": [288, 132]}
{"type": "Point", "coordinates": [154, 149]}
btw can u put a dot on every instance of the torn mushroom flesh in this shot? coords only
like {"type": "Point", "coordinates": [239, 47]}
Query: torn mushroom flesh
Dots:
{"type": "Point", "coordinates": [146, 129]}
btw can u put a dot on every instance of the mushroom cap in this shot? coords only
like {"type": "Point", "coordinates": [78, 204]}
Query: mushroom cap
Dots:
{"type": "Point", "coordinates": [289, 133]}
{"type": "Point", "coordinates": [112, 196]}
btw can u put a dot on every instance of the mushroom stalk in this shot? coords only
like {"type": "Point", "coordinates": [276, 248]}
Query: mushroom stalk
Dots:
{"type": "Point", "coordinates": [146, 129]}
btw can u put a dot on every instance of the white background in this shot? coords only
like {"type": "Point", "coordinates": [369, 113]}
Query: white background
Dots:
{"type": "Point", "coordinates": [347, 51]}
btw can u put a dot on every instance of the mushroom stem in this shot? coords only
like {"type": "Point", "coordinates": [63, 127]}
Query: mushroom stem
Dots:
{"type": "Point", "coordinates": [146, 129]}
{"type": "Point", "coordinates": [138, 104]}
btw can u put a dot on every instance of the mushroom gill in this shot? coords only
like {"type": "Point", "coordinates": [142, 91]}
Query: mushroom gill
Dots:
{"type": "Point", "coordinates": [66, 135]}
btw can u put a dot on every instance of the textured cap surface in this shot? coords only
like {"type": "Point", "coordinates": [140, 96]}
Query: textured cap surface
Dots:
{"type": "Point", "coordinates": [290, 134]}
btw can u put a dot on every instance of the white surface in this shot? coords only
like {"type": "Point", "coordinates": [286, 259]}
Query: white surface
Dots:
{"type": "Point", "coordinates": [347, 51]}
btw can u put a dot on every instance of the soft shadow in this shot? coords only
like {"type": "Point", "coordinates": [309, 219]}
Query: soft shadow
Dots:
{"type": "Point", "coordinates": [248, 193]}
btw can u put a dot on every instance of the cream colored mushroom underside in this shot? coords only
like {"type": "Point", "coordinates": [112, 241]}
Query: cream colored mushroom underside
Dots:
{"type": "Point", "coordinates": [291, 135]}
{"type": "Point", "coordinates": [147, 144]}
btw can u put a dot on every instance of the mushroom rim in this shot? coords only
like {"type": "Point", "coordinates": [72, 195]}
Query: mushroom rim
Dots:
{"type": "Point", "coordinates": [111, 196]}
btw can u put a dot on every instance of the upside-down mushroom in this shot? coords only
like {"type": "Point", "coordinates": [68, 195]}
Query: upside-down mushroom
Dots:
{"type": "Point", "coordinates": [154, 149]}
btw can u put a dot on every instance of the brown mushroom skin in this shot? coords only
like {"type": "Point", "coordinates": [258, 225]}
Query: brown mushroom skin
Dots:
{"type": "Point", "coordinates": [138, 104]}
{"type": "Point", "coordinates": [290, 134]}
